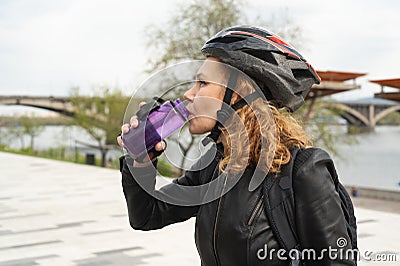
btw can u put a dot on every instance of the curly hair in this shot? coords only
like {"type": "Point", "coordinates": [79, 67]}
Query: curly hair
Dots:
{"type": "Point", "coordinates": [259, 134]}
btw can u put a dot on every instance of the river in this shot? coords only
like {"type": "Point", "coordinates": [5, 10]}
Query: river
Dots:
{"type": "Point", "coordinates": [373, 162]}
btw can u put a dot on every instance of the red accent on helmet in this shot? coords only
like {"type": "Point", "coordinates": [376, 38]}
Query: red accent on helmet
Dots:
{"type": "Point", "coordinates": [315, 72]}
{"type": "Point", "coordinates": [279, 44]}
{"type": "Point", "coordinates": [268, 40]}
{"type": "Point", "coordinates": [278, 40]}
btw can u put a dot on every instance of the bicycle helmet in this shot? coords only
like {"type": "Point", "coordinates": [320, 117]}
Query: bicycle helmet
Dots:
{"type": "Point", "coordinates": [283, 75]}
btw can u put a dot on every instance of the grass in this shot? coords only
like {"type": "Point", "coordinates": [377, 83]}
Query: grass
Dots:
{"type": "Point", "coordinates": [52, 153]}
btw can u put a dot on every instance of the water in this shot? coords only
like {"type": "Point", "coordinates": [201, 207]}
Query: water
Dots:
{"type": "Point", "coordinates": [373, 162]}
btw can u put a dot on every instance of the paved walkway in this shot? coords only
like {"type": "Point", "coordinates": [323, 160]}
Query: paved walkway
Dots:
{"type": "Point", "coordinates": [57, 213]}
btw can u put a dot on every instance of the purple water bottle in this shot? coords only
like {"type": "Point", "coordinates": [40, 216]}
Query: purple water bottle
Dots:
{"type": "Point", "coordinates": [156, 122]}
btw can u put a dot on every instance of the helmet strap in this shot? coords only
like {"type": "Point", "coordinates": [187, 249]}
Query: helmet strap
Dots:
{"type": "Point", "coordinates": [227, 110]}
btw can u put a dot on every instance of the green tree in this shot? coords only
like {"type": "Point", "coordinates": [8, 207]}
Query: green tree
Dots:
{"type": "Point", "coordinates": [100, 116]}
{"type": "Point", "coordinates": [30, 129]}
{"type": "Point", "coordinates": [186, 31]}
{"type": "Point", "coordinates": [322, 125]}
{"type": "Point", "coordinates": [14, 131]}
{"type": "Point", "coordinates": [26, 125]}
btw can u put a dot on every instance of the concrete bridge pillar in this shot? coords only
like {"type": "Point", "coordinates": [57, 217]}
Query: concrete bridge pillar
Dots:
{"type": "Point", "coordinates": [372, 118]}
{"type": "Point", "coordinates": [367, 124]}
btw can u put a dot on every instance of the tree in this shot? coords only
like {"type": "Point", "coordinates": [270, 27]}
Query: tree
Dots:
{"type": "Point", "coordinates": [30, 128]}
{"type": "Point", "coordinates": [100, 116]}
{"type": "Point", "coordinates": [15, 131]}
{"type": "Point", "coordinates": [184, 34]}
{"type": "Point", "coordinates": [25, 125]}
{"type": "Point", "coordinates": [323, 126]}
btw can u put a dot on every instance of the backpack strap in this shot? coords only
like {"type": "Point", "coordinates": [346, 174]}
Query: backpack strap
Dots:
{"type": "Point", "coordinates": [279, 206]}
{"type": "Point", "coordinates": [348, 211]}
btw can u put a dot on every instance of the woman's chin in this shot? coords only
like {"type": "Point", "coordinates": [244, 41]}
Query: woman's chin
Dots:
{"type": "Point", "coordinates": [195, 130]}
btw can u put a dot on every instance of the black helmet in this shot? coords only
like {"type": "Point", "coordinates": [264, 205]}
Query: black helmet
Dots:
{"type": "Point", "coordinates": [283, 75]}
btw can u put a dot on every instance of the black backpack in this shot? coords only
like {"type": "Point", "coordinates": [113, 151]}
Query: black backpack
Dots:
{"type": "Point", "coordinates": [279, 188]}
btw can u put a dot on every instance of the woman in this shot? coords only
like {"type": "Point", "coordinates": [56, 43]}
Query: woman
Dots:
{"type": "Point", "coordinates": [251, 134]}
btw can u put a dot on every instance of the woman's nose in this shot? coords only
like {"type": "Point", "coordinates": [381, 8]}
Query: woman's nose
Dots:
{"type": "Point", "coordinates": [189, 94]}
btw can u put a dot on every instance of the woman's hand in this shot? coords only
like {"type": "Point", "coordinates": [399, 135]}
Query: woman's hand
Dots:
{"type": "Point", "coordinates": [133, 123]}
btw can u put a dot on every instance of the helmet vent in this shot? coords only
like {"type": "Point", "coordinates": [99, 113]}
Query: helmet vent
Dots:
{"type": "Point", "coordinates": [263, 55]}
{"type": "Point", "coordinates": [301, 73]}
{"type": "Point", "coordinates": [226, 39]}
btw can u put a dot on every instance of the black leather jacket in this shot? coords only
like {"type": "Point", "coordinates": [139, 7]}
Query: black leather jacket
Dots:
{"type": "Point", "coordinates": [233, 229]}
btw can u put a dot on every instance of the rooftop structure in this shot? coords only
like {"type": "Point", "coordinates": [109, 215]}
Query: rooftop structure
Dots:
{"type": "Point", "coordinates": [392, 83]}
{"type": "Point", "coordinates": [333, 82]}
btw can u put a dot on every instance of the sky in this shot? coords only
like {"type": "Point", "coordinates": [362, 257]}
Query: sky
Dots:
{"type": "Point", "coordinates": [47, 47]}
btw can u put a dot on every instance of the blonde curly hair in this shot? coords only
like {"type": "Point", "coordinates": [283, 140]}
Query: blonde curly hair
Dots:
{"type": "Point", "coordinates": [259, 134]}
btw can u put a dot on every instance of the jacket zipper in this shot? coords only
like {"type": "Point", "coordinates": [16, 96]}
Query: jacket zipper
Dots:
{"type": "Point", "coordinates": [215, 224]}
{"type": "Point", "coordinates": [256, 209]}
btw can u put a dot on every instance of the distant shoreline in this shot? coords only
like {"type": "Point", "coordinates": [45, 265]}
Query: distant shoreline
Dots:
{"type": "Point", "coordinates": [374, 193]}
{"type": "Point", "coordinates": [376, 204]}
{"type": "Point", "coordinates": [40, 120]}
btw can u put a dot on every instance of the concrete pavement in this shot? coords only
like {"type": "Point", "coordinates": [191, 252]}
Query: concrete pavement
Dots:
{"type": "Point", "coordinates": [58, 213]}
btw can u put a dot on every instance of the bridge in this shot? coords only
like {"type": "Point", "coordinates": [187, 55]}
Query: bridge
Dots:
{"type": "Point", "coordinates": [60, 105]}
{"type": "Point", "coordinates": [363, 113]}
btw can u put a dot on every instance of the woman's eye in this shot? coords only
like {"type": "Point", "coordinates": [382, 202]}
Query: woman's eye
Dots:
{"type": "Point", "coordinates": [202, 83]}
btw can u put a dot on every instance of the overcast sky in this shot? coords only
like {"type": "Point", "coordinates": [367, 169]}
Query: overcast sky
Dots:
{"type": "Point", "coordinates": [48, 46]}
